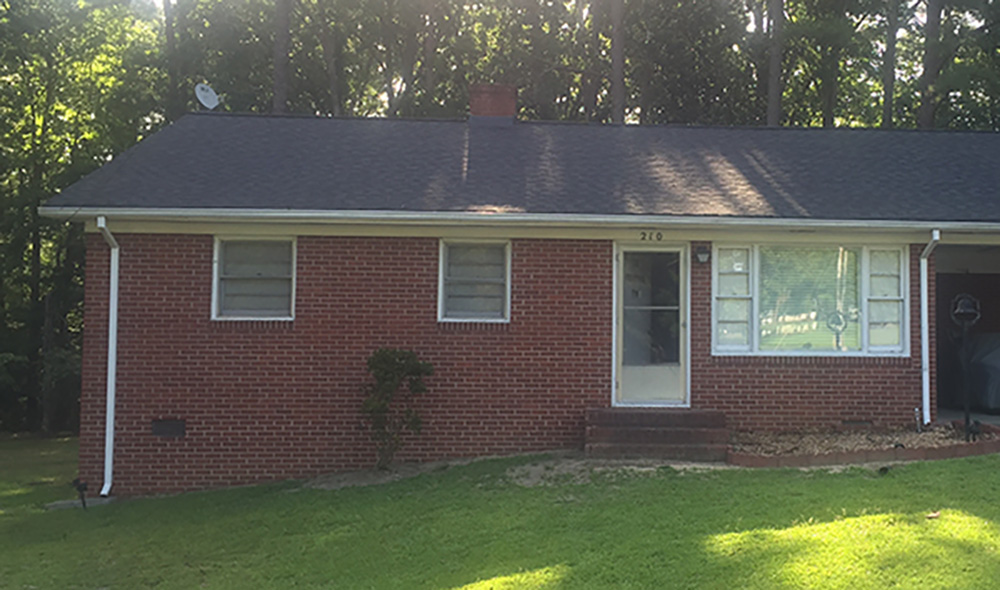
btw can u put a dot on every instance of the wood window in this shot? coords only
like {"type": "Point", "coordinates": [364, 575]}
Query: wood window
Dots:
{"type": "Point", "coordinates": [254, 279]}
{"type": "Point", "coordinates": [474, 281]}
{"type": "Point", "coordinates": [809, 300]}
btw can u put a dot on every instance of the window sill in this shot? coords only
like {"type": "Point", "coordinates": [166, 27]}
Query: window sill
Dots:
{"type": "Point", "coordinates": [838, 360]}
{"type": "Point", "coordinates": [251, 325]}
{"type": "Point", "coordinates": [473, 325]}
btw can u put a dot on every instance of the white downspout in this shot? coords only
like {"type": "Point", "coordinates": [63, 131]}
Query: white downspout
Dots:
{"type": "Point", "coordinates": [925, 347]}
{"type": "Point", "coordinates": [109, 422]}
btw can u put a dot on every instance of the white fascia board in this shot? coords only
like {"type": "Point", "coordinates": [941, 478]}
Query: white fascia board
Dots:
{"type": "Point", "coordinates": [517, 219]}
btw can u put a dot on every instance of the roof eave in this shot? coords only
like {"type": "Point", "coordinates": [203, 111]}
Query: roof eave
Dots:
{"type": "Point", "coordinates": [499, 218]}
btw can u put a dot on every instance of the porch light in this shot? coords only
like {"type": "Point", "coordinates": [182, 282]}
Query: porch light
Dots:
{"type": "Point", "coordinates": [702, 253]}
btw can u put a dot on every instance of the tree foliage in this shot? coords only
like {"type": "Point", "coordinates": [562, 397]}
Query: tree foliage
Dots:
{"type": "Point", "coordinates": [79, 83]}
{"type": "Point", "coordinates": [82, 80]}
{"type": "Point", "coordinates": [397, 376]}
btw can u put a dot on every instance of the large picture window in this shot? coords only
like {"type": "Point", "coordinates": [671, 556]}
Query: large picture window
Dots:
{"type": "Point", "coordinates": [254, 279]}
{"type": "Point", "coordinates": [818, 300]}
{"type": "Point", "coordinates": [475, 281]}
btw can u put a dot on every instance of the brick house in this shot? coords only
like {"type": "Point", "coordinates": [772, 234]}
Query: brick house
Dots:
{"type": "Point", "coordinates": [241, 269]}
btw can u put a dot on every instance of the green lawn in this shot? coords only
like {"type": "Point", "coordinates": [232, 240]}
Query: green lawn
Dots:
{"type": "Point", "coordinates": [471, 527]}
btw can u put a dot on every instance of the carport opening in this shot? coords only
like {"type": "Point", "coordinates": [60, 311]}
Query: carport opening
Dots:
{"type": "Point", "coordinates": [974, 270]}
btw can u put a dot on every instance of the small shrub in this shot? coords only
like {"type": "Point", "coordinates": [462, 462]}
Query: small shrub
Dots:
{"type": "Point", "coordinates": [398, 375]}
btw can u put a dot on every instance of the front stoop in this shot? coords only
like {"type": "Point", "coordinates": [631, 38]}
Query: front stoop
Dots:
{"type": "Point", "coordinates": [683, 435]}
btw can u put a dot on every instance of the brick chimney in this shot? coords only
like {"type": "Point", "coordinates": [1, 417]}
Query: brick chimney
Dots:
{"type": "Point", "coordinates": [492, 104]}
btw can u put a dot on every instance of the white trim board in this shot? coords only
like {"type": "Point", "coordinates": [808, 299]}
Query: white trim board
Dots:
{"type": "Point", "coordinates": [216, 245]}
{"type": "Point", "coordinates": [523, 219]}
{"type": "Point", "coordinates": [473, 231]}
{"type": "Point", "coordinates": [683, 250]}
{"type": "Point", "coordinates": [442, 251]}
{"type": "Point", "coordinates": [752, 348]}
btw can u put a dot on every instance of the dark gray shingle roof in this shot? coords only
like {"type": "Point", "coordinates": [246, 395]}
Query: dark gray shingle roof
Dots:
{"type": "Point", "coordinates": [298, 163]}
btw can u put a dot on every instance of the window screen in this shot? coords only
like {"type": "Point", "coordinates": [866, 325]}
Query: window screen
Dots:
{"type": "Point", "coordinates": [809, 299]}
{"type": "Point", "coordinates": [806, 299]}
{"type": "Point", "coordinates": [255, 279]}
{"type": "Point", "coordinates": [474, 281]}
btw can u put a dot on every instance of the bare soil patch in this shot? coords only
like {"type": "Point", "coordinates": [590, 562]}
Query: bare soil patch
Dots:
{"type": "Point", "coordinates": [578, 469]}
{"type": "Point", "coordinates": [558, 467]}
{"type": "Point", "coordinates": [574, 467]}
{"type": "Point", "coordinates": [371, 477]}
{"type": "Point", "coordinates": [818, 443]}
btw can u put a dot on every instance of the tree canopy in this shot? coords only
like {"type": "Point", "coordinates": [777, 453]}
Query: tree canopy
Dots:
{"type": "Point", "coordinates": [82, 80]}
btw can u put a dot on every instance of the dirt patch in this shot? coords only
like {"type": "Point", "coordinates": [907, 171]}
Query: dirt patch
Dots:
{"type": "Point", "coordinates": [575, 468]}
{"type": "Point", "coordinates": [818, 443]}
{"type": "Point", "coordinates": [557, 468]}
{"type": "Point", "coordinates": [372, 477]}
{"type": "Point", "coordinates": [578, 469]}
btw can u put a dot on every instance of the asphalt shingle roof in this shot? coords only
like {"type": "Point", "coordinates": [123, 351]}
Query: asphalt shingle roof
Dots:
{"type": "Point", "coordinates": [319, 164]}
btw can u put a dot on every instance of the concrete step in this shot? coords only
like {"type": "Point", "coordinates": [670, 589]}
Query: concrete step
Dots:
{"type": "Point", "coordinates": [706, 452]}
{"type": "Point", "coordinates": [655, 417]}
{"type": "Point", "coordinates": [656, 435]}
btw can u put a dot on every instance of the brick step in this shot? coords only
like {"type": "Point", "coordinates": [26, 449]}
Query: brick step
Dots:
{"type": "Point", "coordinates": [707, 452]}
{"type": "Point", "coordinates": [656, 435]}
{"type": "Point", "coordinates": [654, 417]}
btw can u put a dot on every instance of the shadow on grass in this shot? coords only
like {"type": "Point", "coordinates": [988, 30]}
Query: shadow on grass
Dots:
{"type": "Point", "coordinates": [35, 471]}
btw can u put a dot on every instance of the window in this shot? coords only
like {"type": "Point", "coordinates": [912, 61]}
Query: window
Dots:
{"type": "Point", "coordinates": [474, 282]}
{"type": "Point", "coordinates": [254, 279]}
{"type": "Point", "coordinates": [818, 300]}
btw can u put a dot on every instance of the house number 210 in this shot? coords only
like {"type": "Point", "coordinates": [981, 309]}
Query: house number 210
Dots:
{"type": "Point", "coordinates": [651, 236]}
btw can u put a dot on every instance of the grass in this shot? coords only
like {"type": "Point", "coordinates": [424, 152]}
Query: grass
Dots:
{"type": "Point", "coordinates": [34, 471]}
{"type": "Point", "coordinates": [473, 528]}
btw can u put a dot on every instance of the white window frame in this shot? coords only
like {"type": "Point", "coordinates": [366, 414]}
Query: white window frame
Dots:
{"type": "Point", "coordinates": [217, 257]}
{"type": "Point", "coordinates": [864, 295]}
{"type": "Point", "coordinates": [442, 256]}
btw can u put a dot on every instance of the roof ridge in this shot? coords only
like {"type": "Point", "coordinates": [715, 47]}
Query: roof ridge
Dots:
{"type": "Point", "coordinates": [599, 125]}
{"type": "Point", "coordinates": [307, 116]}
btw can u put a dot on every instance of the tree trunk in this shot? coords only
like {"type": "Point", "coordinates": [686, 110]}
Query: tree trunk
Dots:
{"type": "Point", "coordinates": [828, 84]}
{"type": "Point", "coordinates": [931, 66]}
{"type": "Point", "coordinates": [591, 80]}
{"type": "Point", "coordinates": [428, 69]}
{"type": "Point", "coordinates": [408, 62]}
{"type": "Point", "coordinates": [389, 35]}
{"type": "Point", "coordinates": [776, 14]}
{"type": "Point", "coordinates": [617, 62]}
{"type": "Point", "coordinates": [36, 190]}
{"type": "Point", "coordinates": [282, 43]}
{"type": "Point", "coordinates": [332, 44]}
{"type": "Point", "coordinates": [47, 381]}
{"type": "Point", "coordinates": [759, 54]}
{"type": "Point", "coordinates": [36, 407]}
{"type": "Point", "coordinates": [175, 104]}
{"type": "Point", "coordinates": [889, 62]}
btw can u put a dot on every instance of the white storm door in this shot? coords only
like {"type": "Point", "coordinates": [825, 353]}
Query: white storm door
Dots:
{"type": "Point", "coordinates": [652, 329]}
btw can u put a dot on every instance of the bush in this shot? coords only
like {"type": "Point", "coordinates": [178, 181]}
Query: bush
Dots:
{"type": "Point", "coordinates": [398, 375]}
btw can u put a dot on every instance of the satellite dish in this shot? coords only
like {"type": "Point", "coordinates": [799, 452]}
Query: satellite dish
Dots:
{"type": "Point", "coordinates": [206, 96]}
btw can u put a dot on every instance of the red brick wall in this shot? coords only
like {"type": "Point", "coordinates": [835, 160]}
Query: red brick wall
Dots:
{"type": "Point", "coordinates": [267, 400]}
{"type": "Point", "coordinates": [792, 393]}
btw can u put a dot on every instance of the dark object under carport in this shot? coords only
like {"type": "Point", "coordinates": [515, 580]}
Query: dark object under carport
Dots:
{"type": "Point", "coordinates": [965, 312]}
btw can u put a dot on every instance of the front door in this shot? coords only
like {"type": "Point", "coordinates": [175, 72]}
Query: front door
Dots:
{"type": "Point", "coordinates": [651, 329]}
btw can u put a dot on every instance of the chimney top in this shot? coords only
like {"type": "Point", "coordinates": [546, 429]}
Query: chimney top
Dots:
{"type": "Point", "coordinates": [492, 103]}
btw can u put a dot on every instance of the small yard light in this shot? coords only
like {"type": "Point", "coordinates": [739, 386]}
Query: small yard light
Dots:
{"type": "Point", "coordinates": [965, 312]}
{"type": "Point", "coordinates": [81, 489]}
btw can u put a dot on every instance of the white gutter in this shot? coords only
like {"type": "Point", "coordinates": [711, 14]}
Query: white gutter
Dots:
{"type": "Point", "coordinates": [502, 218]}
{"type": "Point", "coordinates": [925, 347]}
{"type": "Point", "coordinates": [109, 420]}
